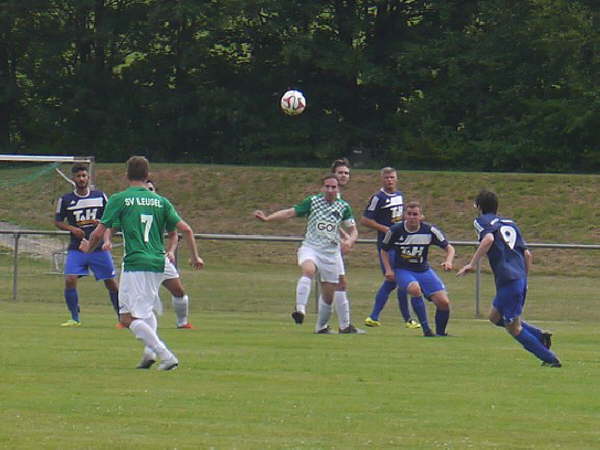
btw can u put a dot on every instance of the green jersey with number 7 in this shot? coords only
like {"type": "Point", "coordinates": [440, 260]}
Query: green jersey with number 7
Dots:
{"type": "Point", "coordinates": [143, 217]}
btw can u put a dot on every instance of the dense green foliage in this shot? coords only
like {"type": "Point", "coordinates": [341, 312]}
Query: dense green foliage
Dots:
{"type": "Point", "coordinates": [488, 85]}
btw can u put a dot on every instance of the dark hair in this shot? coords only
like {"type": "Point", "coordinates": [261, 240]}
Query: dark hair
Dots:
{"type": "Point", "coordinates": [138, 168]}
{"type": "Point", "coordinates": [339, 163]}
{"type": "Point", "coordinates": [78, 168]}
{"type": "Point", "coordinates": [487, 201]}
{"type": "Point", "coordinates": [329, 176]}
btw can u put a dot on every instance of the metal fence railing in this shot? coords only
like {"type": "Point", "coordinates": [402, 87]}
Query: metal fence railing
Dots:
{"type": "Point", "coordinates": [17, 236]}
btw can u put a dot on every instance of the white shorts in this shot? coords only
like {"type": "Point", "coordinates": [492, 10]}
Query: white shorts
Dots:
{"type": "Point", "coordinates": [170, 270]}
{"type": "Point", "coordinates": [328, 264]}
{"type": "Point", "coordinates": [138, 292]}
{"type": "Point", "coordinates": [340, 263]}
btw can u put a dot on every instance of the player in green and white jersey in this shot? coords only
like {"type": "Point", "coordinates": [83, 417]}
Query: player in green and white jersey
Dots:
{"type": "Point", "coordinates": [143, 217]}
{"type": "Point", "coordinates": [320, 249]}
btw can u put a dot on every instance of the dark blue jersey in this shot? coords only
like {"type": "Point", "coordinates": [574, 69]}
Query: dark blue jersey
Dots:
{"type": "Point", "coordinates": [507, 254]}
{"type": "Point", "coordinates": [385, 209]}
{"type": "Point", "coordinates": [412, 247]}
{"type": "Point", "coordinates": [81, 211]}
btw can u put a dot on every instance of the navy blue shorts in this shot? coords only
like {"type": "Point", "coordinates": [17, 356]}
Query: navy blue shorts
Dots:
{"type": "Point", "coordinates": [99, 262]}
{"type": "Point", "coordinates": [510, 299]}
{"type": "Point", "coordinates": [429, 281]}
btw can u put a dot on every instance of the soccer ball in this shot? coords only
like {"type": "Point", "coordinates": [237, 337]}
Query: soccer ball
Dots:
{"type": "Point", "coordinates": [293, 103]}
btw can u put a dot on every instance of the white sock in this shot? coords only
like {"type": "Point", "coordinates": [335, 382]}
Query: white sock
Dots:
{"type": "Point", "coordinates": [302, 293]}
{"type": "Point", "coordinates": [152, 323]}
{"type": "Point", "coordinates": [148, 336]}
{"type": "Point", "coordinates": [324, 314]}
{"type": "Point", "coordinates": [342, 308]}
{"type": "Point", "coordinates": [181, 307]}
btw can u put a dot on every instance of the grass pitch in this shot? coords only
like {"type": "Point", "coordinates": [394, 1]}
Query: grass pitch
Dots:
{"type": "Point", "coordinates": [256, 380]}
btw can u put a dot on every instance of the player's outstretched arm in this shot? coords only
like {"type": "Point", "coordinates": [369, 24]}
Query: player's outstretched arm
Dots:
{"type": "Point", "coordinates": [282, 214]}
{"type": "Point", "coordinates": [484, 247]}
{"type": "Point", "coordinates": [90, 245]}
{"type": "Point", "coordinates": [348, 238]}
{"type": "Point", "coordinates": [188, 236]}
{"type": "Point", "coordinates": [389, 272]}
{"type": "Point", "coordinates": [528, 260]}
{"type": "Point", "coordinates": [107, 238]}
{"type": "Point", "coordinates": [370, 223]}
{"type": "Point", "coordinates": [450, 252]}
{"type": "Point", "coordinates": [171, 245]}
{"type": "Point", "coordinates": [75, 231]}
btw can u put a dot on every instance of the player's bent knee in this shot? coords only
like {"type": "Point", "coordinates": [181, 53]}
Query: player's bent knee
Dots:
{"type": "Point", "coordinates": [125, 319]}
{"type": "Point", "coordinates": [443, 305]}
{"type": "Point", "coordinates": [414, 290]}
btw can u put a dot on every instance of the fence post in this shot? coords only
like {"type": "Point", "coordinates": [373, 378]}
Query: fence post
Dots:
{"type": "Point", "coordinates": [477, 288]}
{"type": "Point", "coordinates": [16, 236]}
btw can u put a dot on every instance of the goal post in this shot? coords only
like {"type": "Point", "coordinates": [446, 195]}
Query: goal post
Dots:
{"type": "Point", "coordinates": [48, 159]}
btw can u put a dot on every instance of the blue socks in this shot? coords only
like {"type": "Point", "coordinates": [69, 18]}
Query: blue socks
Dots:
{"type": "Point", "coordinates": [114, 299]}
{"type": "Point", "coordinates": [72, 301]}
{"type": "Point", "coordinates": [534, 345]}
{"type": "Point", "coordinates": [381, 298]}
{"type": "Point", "coordinates": [441, 320]}
{"type": "Point", "coordinates": [535, 331]}
{"type": "Point", "coordinates": [419, 309]}
{"type": "Point", "coordinates": [403, 305]}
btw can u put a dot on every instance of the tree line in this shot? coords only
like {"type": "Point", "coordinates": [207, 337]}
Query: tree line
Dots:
{"type": "Point", "coordinates": [506, 85]}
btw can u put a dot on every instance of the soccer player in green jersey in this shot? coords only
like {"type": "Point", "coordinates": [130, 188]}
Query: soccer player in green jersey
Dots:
{"type": "Point", "coordinates": [321, 246]}
{"type": "Point", "coordinates": [172, 282]}
{"type": "Point", "coordinates": [143, 217]}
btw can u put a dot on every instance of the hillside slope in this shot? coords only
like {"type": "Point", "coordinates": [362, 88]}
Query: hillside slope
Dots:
{"type": "Point", "coordinates": [220, 199]}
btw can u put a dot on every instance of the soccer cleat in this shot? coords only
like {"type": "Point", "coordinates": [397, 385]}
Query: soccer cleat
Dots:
{"type": "Point", "coordinates": [147, 361]}
{"type": "Point", "coordinates": [428, 333]}
{"type": "Point", "coordinates": [441, 334]}
{"type": "Point", "coordinates": [71, 323]}
{"type": "Point", "coordinates": [412, 324]}
{"type": "Point", "coordinates": [547, 339]}
{"type": "Point", "coordinates": [351, 329]}
{"type": "Point", "coordinates": [187, 326]}
{"type": "Point", "coordinates": [556, 363]}
{"type": "Point", "coordinates": [298, 317]}
{"type": "Point", "coordinates": [325, 330]}
{"type": "Point", "coordinates": [372, 323]}
{"type": "Point", "coordinates": [168, 364]}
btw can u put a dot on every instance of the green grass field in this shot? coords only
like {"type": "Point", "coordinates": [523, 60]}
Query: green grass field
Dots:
{"type": "Point", "coordinates": [250, 378]}
{"type": "Point", "coordinates": [254, 380]}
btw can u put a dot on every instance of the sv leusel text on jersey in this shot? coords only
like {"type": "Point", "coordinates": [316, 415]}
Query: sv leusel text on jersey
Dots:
{"type": "Point", "coordinates": [143, 201]}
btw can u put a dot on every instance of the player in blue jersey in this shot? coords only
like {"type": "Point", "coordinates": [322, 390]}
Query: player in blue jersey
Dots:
{"type": "Point", "coordinates": [384, 210]}
{"type": "Point", "coordinates": [83, 209]}
{"type": "Point", "coordinates": [410, 239]}
{"type": "Point", "coordinates": [501, 240]}
{"type": "Point", "coordinates": [320, 249]}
